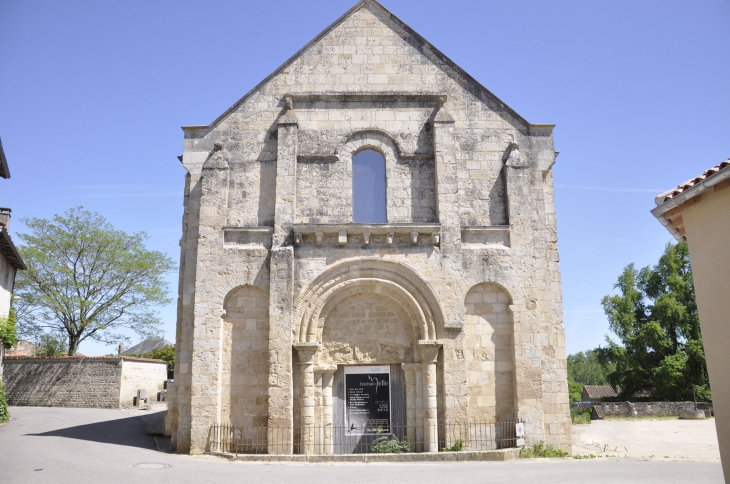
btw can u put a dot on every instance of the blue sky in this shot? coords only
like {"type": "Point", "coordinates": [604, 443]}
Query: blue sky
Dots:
{"type": "Point", "coordinates": [93, 94]}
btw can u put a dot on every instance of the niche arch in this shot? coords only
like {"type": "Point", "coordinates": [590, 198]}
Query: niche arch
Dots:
{"type": "Point", "coordinates": [489, 353]}
{"type": "Point", "coordinates": [390, 279]}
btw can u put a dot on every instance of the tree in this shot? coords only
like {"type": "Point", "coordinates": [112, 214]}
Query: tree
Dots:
{"type": "Point", "coordinates": [655, 317]}
{"type": "Point", "coordinates": [88, 280]}
{"type": "Point", "coordinates": [50, 345]}
{"type": "Point", "coordinates": [585, 367]}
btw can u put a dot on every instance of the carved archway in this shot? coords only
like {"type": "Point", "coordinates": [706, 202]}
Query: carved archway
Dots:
{"type": "Point", "coordinates": [393, 280]}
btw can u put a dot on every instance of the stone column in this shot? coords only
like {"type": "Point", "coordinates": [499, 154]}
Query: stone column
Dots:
{"type": "Point", "coordinates": [306, 353]}
{"type": "Point", "coordinates": [328, 377]}
{"type": "Point", "coordinates": [410, 372]}
{"type": "Point", "coordinates": [281, 270]}
{"type": "Point", "coordinates": [418, 370]}
{"type": "Point", "coordinates": [429, 356]}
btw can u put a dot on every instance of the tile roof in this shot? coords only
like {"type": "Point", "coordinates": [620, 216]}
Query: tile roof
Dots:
{"type": "Point", "coordinates": [147, 346]}
{"type": "Point", "coordinates": [4, 170]}
{"type": "Point", "coordinates": [600, 391]}
{"type": "Point", "coordinates": [8, 250]}
{"type": "Point", "coordinates": [682, 187]}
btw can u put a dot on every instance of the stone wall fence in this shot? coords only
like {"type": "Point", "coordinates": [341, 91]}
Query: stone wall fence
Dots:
{"type": "Point", "coordinates": [81, 381]}
{"type": "Point", "coordinates": [659, 409]}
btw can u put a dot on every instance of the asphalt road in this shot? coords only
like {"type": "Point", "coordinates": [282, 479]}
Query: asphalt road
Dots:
{"type": "Point", "coordinates": [68, 445]}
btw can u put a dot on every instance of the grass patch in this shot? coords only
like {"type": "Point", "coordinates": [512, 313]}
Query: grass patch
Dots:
{"type": "Point", "coordinates": [541, 450]}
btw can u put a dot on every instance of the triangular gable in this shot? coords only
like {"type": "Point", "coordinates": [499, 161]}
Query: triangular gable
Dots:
{"type": "Point", "coordinates": [361, 4]}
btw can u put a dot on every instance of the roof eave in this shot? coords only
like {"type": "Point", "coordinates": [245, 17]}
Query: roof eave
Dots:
{"type": "Point", "coordinates": [8, 250]}
{"type": "Point", "coordinates": [663, 207]}
{"type": "Point", "coordinates": [4, 169]}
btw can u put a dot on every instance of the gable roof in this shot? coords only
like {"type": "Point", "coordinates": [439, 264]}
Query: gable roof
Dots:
{"type": "Point", "coordinates": [4, 170]}
{"type": "Point", "coordinates": [361, 4]}
{"type": "Point", "coordinates": [147, 346]}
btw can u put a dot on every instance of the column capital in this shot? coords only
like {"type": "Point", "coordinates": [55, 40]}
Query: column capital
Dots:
{"type": "Point", "coordinates": [306, 351]}
{"type": "Point", "coordinates": [430, 350]}
{"type": "Point", "coordinates": [411, 366]}
{"type": "Point", "coordinates": [325, 369]}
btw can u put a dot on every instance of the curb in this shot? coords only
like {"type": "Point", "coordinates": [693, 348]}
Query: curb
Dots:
{"type": "Point", "coordinates": [465, 456]}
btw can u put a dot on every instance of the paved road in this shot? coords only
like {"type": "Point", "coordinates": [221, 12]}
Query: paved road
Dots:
{"type": "Point", "coordinates": [65, 445]}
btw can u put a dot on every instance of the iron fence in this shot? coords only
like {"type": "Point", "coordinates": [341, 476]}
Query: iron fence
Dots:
{"type": "Point", "coordinates": [465, 436]}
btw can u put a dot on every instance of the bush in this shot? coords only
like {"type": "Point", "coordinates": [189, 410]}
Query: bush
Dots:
{"type": "Point", "coordinates": [382, 445]}
{"type": "Point", "coordinates": [541, 449]}
{"type": "Point", "coordinates": [579, 417]}
{"type": "Point", "coordinates": [4, 412]}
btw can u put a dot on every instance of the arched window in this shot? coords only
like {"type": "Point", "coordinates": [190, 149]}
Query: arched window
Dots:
{"type": "Point", "coordinates": [368, 188]}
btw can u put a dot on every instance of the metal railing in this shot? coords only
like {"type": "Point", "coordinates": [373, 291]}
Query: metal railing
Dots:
{"type": "Point", "coordinates": [465, 436]}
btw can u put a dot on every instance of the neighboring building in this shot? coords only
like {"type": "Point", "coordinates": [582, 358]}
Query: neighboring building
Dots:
{"type": "Point", "coordinates": [10, 260]}
{"type": "Point", "coordinates": [23, 348]}
{"type": "Point", "coordinates": [147, 346]}
{"type": "Point", "coordinates": [698, 211]}
{"type": "Point", "coordinates": [442, 279]}
{"type": "Point", "coordinates": [82, 381]}
{"type": "Point", "coordinates": [598, 393]}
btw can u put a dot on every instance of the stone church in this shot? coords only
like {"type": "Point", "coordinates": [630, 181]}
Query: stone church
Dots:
{"type": "Point", "coordinates": [368, 218]}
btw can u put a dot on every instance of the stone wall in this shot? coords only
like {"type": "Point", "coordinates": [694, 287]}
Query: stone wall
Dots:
{"type": "Point", "coordinates": [95, 382]}
{"type": "Point", "coordinates": [647, 408]}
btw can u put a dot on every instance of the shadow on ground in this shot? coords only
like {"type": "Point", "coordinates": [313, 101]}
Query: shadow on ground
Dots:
{"type": "Point", "coordinates": [128, 431]}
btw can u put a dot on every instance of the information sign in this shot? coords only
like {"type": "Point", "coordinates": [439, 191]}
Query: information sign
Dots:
{"type": "Point", "coordinates": [367, 399]}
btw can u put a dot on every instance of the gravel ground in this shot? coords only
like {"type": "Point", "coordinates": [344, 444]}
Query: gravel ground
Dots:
{"type": "Point", "coordinates": [644, 439]}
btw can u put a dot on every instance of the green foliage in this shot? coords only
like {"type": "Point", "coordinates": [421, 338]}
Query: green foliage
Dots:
{"type": "Point", "coordinates": [4, 412]}
{"type": "Point", "coordinates": [88, 280]}
{"type": "Point", "coordinates": [655, 318]}
{"type": "Point", "coordinates": [541, 449]}
{"type": "Point", "coordinates": [383, 445]}
{"type": "Point", "coordinates": [455, 447]}
{"type": "Point", "coordinates": [585, 368]}
{"type": "Point", "coordinates": [579, 417]}
{"type": "Point", "coordinates": [575, 391]}
{"type": "Point", "coordinates": [9, 330]}
{"type": "Point", "coordinates": [51, 345]}
{"type": "Point", "coordinates": [167, 354]}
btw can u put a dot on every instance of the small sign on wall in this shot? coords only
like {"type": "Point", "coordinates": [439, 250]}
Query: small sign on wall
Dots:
{"type": "Point", "coordinates": [367, 399]}
{"type": "Point", "coordinates": [520, 434]}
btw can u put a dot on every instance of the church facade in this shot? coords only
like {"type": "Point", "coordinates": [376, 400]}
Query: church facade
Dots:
{"type": "Point", "coordinates": [369, 214]}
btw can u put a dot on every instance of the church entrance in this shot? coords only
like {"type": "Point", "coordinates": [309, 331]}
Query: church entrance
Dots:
{"type": "Point", "coordinates": [369, 403]}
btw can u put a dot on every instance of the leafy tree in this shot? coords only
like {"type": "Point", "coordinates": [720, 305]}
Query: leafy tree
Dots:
{"type": "Point", "coordinates": [167, 354]}
{"type": "Point", "coordinates": [51, 345]}
{"type": "Point", "coordinates": [89, 280]}
{"type": "Point", "coordinates": [655, 317]}
{"type": "Point", "coordinates": [584, 367]}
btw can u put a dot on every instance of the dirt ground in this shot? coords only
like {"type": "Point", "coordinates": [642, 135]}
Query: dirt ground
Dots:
{"type": "Point", "coordinates": [644, 439]}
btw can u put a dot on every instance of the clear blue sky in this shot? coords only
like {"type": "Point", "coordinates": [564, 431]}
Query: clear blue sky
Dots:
{"type": "Point", "coordinates": [92, 95]}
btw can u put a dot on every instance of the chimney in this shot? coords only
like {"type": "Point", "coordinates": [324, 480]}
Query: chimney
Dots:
{"type": "Point", "coordinates": [5, 217]}
{"type": "Point", "coordinates": [121, 348]}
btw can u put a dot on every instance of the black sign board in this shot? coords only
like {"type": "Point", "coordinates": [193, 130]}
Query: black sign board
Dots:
{"type": "Point", "coordinates": [367, 399]}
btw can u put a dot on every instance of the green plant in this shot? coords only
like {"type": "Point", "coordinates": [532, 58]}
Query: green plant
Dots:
{"type": "Point", "coordinates": [541, 449]}
{"type": "Point", "coordinates": [455, 447]}
{"type": "Point", "coordinates": [584, 456]}
{"type": "Point", "coordinates": [50, 345]}
{"type": "Point", "coordinates": [383, 445]}
{"type": "Point", "coordinates": [579, 417]}
{"type": "Point", "coordinates": [8, 330]}
{"type": "Point", "coordinates": [4, 412]}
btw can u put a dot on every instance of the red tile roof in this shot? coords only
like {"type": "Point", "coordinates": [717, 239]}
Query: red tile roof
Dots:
{"type": "Point", "coordinates": [682, 187]}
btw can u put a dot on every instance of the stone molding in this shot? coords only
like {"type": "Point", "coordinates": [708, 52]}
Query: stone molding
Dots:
{"type": "Point", "coordinates": [494, 235]}
{"type": "Point", "coordinates": [311, 301]}
{"type": "Point", "coordinates": [366, 231]}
